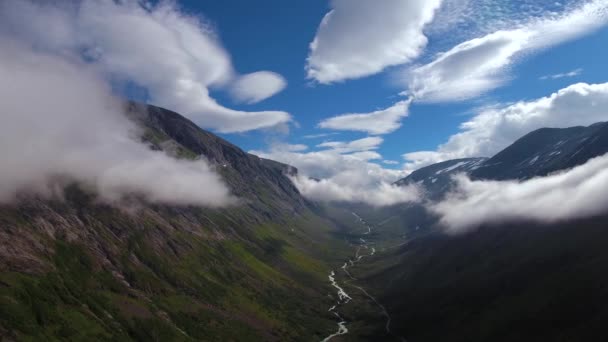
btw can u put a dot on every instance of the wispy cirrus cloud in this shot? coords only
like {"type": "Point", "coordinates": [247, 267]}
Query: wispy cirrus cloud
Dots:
{"type": "Point", "coordinates": [390, 162]}
{"type": "Point", "coordinates": [573, 73]}
{"type": "Point", "coordinates": [479, 65]}
{"type": "Point", "coordinates": [319, 135]}
{"type": "Point", "coordinates": [364, 144]}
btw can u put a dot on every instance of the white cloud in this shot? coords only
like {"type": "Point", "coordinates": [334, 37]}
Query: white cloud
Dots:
{"type": "Point", "coordinates": [60, 124]}
{"type": "Point", "coordinates": [378, 122]}
{"type": "Point", "coordinates": [494, 129]}
{"type": "Point", "coordinates": [390, 162]}
{"type": "Point", "coordinates": [290, 147]}
{"type": "Point", "coordinates": [377, 195]}
{"type": "Point", "coordinates": [257, 86]}
{"type": "Point", "coordinates": [320, 135]}
{"type": "Point", "coordinates": [572, 73]}
{"type": "Point", "coordinates": [479, 65]}
{"type": "Point", "coordinates": [459, 20]}
{"type": "Point", "coordinates": [176, 57]}
{"type": "Point", "coordinates": [343, 172]}
{"type": "Point", "coordinates": [577, 193]}
{"type": "Point", "coordinates": [364, 144]}
{"type": "Point", "coordinates": [468, 69]}
{"type": "Point", "coordinates": [358, 38]}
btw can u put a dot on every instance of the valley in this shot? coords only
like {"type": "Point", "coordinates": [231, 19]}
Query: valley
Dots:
{"type": "Point", "coordinates": [363, 242]}
{"type": "Point", "coordinates": [298, 171]}
{"type": "Point", "coordinates": [279, 267]}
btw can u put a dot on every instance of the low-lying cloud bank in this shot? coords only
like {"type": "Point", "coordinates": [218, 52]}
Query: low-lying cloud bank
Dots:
{"type": "Point", "coordinates": [61, 124]}
{"type": "Point", "coordinates": [343, 172]}
{"type": "Point", "coordinates": [576, 193]}
{"type": "Point", "coordinates": [374, 194]}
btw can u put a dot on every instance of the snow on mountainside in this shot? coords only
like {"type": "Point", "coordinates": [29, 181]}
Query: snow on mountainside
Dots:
{"type": "Point", "coordinates": [436, 178]}
{"type": "Point", "coordinates": [539, 153]}
{"type": "Point", "coordinates": [545, 151]}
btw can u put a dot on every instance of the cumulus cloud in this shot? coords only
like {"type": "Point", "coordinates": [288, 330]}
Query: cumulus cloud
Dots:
{"type": "Point", "coordinates": [358, 38]}
{"type": "Point", "coordinates": [60, 124]}
{"type": "Point", "coordinates": [577, 193]}
{"type": "Point", "coordinates": [257, 86]}
{"type": "Point", "coordinates": [378, 122]}
{"type": "Point", "coordinates": [493, 129]}
{"type": "Point", "coordinates": [479, 65]}
{"type": "Point", "coordinates": [177, 58]}
{"type": "Point", "coordinates": [343, 171]}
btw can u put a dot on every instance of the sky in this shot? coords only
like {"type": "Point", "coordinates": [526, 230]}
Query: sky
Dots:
{"type": "Point", "coordinates": [354, 93]}
{"type": "Point", "coordinates": [276, 35]}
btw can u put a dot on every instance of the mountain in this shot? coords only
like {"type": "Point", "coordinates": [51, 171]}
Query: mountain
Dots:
{"type": "Point", "coordinates": [545, 151]}
{"type": "Point", "coordinates": [519, 281]}
{"type": "Point", "coordinates": [74, 268]}
{"type": "Point", "coordinates": [247, 175]}
{"type": "Point", "coordinates": [538, 153]}
{"type": "Point", "coordinates": [509, 281]}
{"type": "Point", "coordinates": [436, 179]}
{"type": "Point", "coordinates": [78, 269]}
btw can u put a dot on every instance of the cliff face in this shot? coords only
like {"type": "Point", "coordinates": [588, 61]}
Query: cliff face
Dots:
{"type": "Point", "coordinates": [76, 268]}
{"type": "Point", "coordinates": [248, 176]}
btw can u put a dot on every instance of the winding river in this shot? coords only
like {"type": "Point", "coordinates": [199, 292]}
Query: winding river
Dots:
{"type": "Point", "coordinates": [343, 297]}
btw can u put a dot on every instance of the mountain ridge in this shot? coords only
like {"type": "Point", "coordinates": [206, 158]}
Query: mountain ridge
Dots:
{"type": "Point", "coordinates": [539, 153]}
{"type": "Point", "coordinates": [75, 268]}
{"type": "Point", "coordinates": [504, 281]}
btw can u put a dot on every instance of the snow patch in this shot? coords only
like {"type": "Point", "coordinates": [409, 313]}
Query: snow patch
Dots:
{"type": "Point", "coordinates": [534, 160]}
{"type": "Point", "coordinates": [451, 168]}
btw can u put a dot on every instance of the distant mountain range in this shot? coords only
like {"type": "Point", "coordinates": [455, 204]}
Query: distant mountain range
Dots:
{"type": "Point", "coordinates": [538, 153]}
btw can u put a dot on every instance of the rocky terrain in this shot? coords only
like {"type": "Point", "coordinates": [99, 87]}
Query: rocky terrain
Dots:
{"type": "Point", "coordinates": [78, 269]}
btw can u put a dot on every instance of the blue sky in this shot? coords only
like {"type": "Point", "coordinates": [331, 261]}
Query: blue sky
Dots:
{"type": "Point", "coordinates": [383, 87]}
{"type": "Point", "coordinates": [355, 94]}
{"type": "Point", "coordinates": [274, 35]}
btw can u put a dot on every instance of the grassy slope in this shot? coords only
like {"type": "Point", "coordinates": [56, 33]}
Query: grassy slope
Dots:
{"type": "Point", "coordinates": [79, 270]}
{"type": "Point", "coordinates": [151, 280]}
